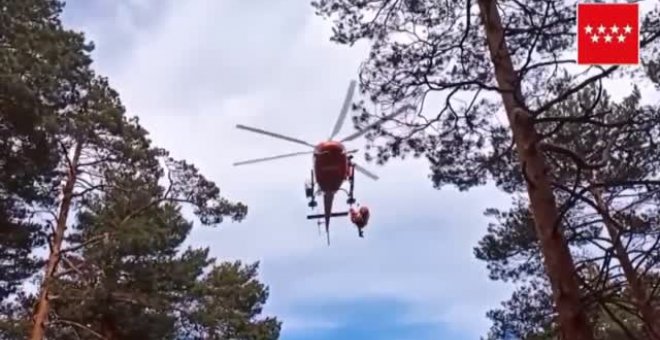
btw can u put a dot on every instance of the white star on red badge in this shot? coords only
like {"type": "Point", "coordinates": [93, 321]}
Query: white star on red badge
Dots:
{"type": "Point", "coordinates": [608, 33]}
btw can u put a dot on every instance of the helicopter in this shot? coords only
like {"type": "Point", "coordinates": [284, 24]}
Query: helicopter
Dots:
{"type": "Point", "coordinates": [332, 163]}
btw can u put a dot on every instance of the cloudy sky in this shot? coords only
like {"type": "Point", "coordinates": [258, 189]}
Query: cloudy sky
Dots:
{"type": "Point", "coordinates": [193, 69]}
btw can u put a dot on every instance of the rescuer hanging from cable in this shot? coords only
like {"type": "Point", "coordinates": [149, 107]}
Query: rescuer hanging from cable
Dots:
{"type": "Point", "coordinates": [360, 218]}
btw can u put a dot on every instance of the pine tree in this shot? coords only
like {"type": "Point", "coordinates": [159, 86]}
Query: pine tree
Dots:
{"type": "Point", "coordinates": [100, 147]}
{"type": "Point", "coordinates": [125, 274]}
{"type": "Point", "coordinates": [226, 304]}
{"type": "Point", "coordinates": [136, 282]}
{"type": "Point", "coordinates": [41, 64]}
{"type": "Point", "coordinates": [97, 143]}
{"type": "Point", "coordinates": [423, 48]}
{"type": "Point", "coordinates": [95, 140]}
{"type": "Point", "coordinates": [529, 315]}
{"type": "Point", "coordinates": [512, 254]}
{"type": "Point", "coordinates": [83, 161]}
{"type": "Point", "coordinates": [605, 160]}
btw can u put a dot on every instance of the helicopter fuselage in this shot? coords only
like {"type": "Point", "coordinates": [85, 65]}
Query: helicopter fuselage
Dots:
{"type": "Point", "coordinates": [331, 166]}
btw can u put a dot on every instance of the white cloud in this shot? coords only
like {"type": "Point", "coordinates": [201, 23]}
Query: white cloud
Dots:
{"type": "Point", "coordinates": [294, 324]}
{"type": "Point", "coordinates": [204, 66]}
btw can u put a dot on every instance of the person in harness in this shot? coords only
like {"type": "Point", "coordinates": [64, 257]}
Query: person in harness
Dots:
{"type": "Point", "coordinates": [360, 218]}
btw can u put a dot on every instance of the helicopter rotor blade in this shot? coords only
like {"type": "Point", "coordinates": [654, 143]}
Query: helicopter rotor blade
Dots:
{"type": "Point", "coordinates": [258, 160]}
{"type": "Point", "coordinates": [366, 172]}
{"type": "Point", "coordinates": [344, 109]}
{"type": "Point", "coordinates": [378, 122]}
{"type": "Point", "coordinates": [272, 134]}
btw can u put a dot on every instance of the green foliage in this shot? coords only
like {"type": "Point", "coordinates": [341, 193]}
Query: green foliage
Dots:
{"type": "Point", "coordinates": [433, 52]}
{"type": "Point", "coordinates": [133, 279]}
{"type": "Point", "coordinates": [423, 49]}
{"type": "Point", "coordinates": [591, 143]}
{"type": "Point", "coordinates": [226, 305]}
{"type": "Point", "coordinates": [529, 314]}
{"type": "Point", "coordinates": [510, 246]}
{"type": "Point", "coordinates": [122, 268]}
{"type": "Point", "coordinates": [42, 64]}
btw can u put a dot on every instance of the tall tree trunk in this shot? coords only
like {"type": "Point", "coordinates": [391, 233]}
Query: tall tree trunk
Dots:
{"type": "Point", "coordinates": [638, 288]}
{"type": "Point", "coordinates": [573, 322]}
{"type": "Point", "coordinates": [41, 313]}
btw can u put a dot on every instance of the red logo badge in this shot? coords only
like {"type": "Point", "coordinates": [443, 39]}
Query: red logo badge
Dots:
{"type": "Point", "coordinates": [608, 34]}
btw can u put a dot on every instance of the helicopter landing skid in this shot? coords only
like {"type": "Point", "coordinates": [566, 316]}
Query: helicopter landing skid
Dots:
{"type": "Point", "coordinates": [318, 216]}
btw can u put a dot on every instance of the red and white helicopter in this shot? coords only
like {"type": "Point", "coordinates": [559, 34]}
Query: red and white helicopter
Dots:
{"type": "Point", "coordinates": [333, 165]}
